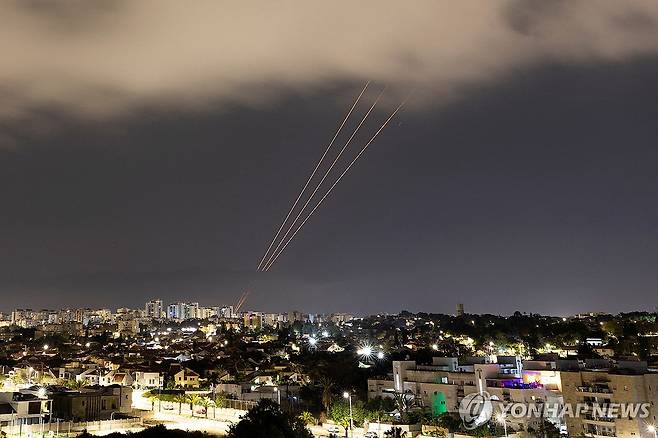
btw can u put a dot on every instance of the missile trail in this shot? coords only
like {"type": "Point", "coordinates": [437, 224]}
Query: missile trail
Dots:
{"type": "Point", "coordinates": [277, 254]}
{"type": "Point", "coordinates": [319, 184]}
{"type": "Point", "coordinates": [317, 166]}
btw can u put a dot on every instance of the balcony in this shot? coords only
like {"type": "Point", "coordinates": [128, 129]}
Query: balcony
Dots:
{"type": "Point", "coordinates": [589, 418]}
{"type": "Point", "coordinates": [601, 433]}
{"type": "Point", "coordinates": [595, 389]}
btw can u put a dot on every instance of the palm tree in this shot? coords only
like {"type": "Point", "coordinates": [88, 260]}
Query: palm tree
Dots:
{"type": "Point", "coordinates": [307, 418]}
{"type": "Point", "coordinates": [194, 399]}
{"type": "Point", "coordinates": [327, 390]}
{"type": "Point", "coordinates": [152, 397]}
{"type": "Point", "coordinates": [180, 399]}
{"type": "Point", "coordinates": [205, 402]}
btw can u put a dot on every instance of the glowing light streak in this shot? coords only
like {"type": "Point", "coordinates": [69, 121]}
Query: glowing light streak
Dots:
{"type": "Point", "coordinates": [324, 177]}
{"type": "Point", "coordinates": [317, 166]}
{"type": "Point", "coordinates": [381, 128]}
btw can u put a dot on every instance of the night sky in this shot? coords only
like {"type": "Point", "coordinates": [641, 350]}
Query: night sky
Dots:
{"type": "Point", "coordinates": [532, 190]}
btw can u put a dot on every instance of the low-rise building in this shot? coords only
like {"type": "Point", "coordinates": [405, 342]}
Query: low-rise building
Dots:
{"type": "Point", "coordinates": [24, 408]}
{"type": "Point", "coordinates": [184, 377]}
{"type": "Point", "coordinates": [98, 403]}
{"type": "Point", "coordinates": [148, 380]}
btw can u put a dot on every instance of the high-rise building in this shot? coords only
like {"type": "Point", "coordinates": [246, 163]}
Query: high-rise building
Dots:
{"type": "Point", "coordinates": [460, 309]}
{"type": "Point", "coordinates": [253, 320]}
{"type": "Point", "coordinates": [183, 311]}
{"type": "Point", "coordinates": [226, 312]}
{"type": "Point", "coordinates": [153, 309]}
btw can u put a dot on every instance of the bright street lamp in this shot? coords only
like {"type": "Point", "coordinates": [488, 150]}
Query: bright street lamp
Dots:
{"type": "Point", "coordinates": [652, 429]}
{"type": "Point", "coordinates": [348, 396]}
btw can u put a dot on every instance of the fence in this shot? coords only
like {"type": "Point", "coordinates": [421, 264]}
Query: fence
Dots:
{"type": "Point", "coordinates": [68, 428]}
{"type": "Point", "coordinates": [242, 405]}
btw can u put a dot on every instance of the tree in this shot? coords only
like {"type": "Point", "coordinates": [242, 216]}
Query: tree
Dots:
{"type": "Point", "coordinates": [205, 402]}
{"type": "Point", "coordinates": [267, 420]}
{"type": "Point", "coordinates": [154, 432]}
{"type": "Point", "coordinates": [73, 384]}
{"type": "Point", "coordinates": [307, 418]}
{"type": "Point", "coordinates": [340, 413]}
{"type": "Point", "coordinates": [450, 421]}
{"type": "Point", "coordinates": [180, 399]}
{"type": "Point", "coordinates": [194, 400]}
{"type": "Point", "coordinates": [219, 399]}
{"type": "Point", "coordinates": [327, 389]}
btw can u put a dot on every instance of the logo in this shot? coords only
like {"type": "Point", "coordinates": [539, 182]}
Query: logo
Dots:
{"type": "Point", "coordinates": [475, 409]}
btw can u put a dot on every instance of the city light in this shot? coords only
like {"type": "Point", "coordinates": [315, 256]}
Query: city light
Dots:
{"type": "Point", "coordinates": [346, 395]}
{"type": "Point", "coordinates": [365, 352]}
{"type": "Point", "coordinates": [312, 341]}
{"type": "Point", "coordinates": [325, 334]}
{"type": "Point", "coordinates": [380, 355]}
{"type": "Point", "coordinates": [435, 347]}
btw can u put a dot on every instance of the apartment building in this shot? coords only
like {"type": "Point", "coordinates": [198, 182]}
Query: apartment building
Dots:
{"type": "Point", "coordinates": [623, 383]}
{"type": "Point", "coordinates": [154, 309]}
{"type": "Point", "coordinates": [442, 385]}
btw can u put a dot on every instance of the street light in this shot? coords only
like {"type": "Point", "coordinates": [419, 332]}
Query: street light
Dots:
{"type": "Point", "coordinates": [348, 396]}
{"type": "Point", "coordinates": [278, 395]}
{"type": "Point", "coordinates": [652, 429]}
{"type": "Point", "coordinates": [502, 419]}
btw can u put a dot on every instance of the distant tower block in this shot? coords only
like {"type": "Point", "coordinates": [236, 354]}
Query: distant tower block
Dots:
{"type": "Point", "coordinates": [460, 309]}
